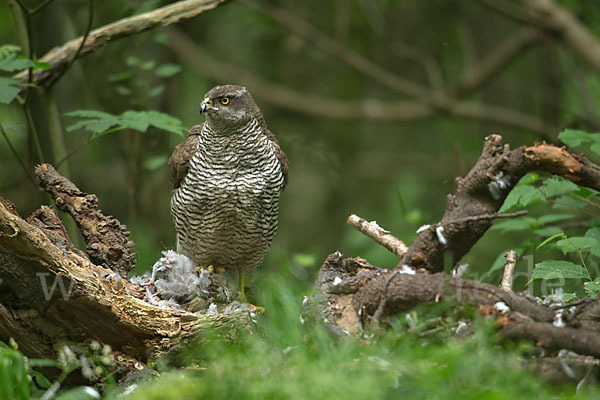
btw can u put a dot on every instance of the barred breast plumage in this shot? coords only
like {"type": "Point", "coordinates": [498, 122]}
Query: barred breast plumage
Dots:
{"type": "Point", "coordinates": [228, 176]}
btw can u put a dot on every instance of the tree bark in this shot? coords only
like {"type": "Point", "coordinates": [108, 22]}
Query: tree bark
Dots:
{"type": "Point", "coordinates": [351, 295]}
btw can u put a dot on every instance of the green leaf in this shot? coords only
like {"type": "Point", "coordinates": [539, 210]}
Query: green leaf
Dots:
{"type": "Point", "coordinates": [553, 269]}
{"type": "Point", "coordinates": [551, 238]}
{"type": "Point", "coordinates": [161, 38]}
{"type": "Point", "coordinates": [548, 231]}
{"type": "Point", "coordinates": [551, 218]}
{"type": "Point", "coordinates": [156, 90]}
{"type": "Point", "coordinates": [522, 196]}
{"type": "Point", "coordinates": [8, 89]}
{"type": "Point", "coordinates": [528, 179]}
{"type": "Point", "coordinates": [304, 260]}
{"type": "Point", "coordinates": [148, 65]}
{"type": "Point", "coordinates": [101, 123]}
{"type": "Point", "coordinates": [576, 244]}
{"type": "Point", "coordinates": [8, 50]}
{"type": "Point", "coordinates": [40, 379]}
{"type": "Point", "coordinates": [595, 147]}
{"type": "Point", "coordinates": [517, 224]}
{"type": "Point", "coordinates": [95, 122]}
{"type": "Point", "coordinates": [135, 120]}
{"type": "Point", "coordinates": [123, 90]}
{"type": "Point", "coordinates": [40, 65]}
{"type": "Point", "coordinates": [573, 137]}
{"type": "Point", "coordinates": [593, 232]}
{"type": "Point", "coordinates": [167, 70]}
{"type": "Point", "coordinates": [121, 76]}
{"type": "Point", "coordinates": [14, 63]}
{"type": "Point", "coordinates": [567, 202]}
{"type": "Point", "coordinates": [165, 122]}
{"type": "Point", "coordinates": [132, 61]}
{"type": "Point", "coordinates": [567, 297]}
{"type": "Point", "coordinates": [556, 186]}
{"type": "Point", "coordinates": [592, 288]}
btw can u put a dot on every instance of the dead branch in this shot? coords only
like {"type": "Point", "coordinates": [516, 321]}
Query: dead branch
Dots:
{"type": "Point", "coordinates": [509, 270]}
{"type": "Point", "coordinates": [60, 57]}
{"type": "Point", "coordinates": [378, 234]}
{"type": "Point", "coordinates": [491, 64]}
{"type": "Point", "coordinates": [349, 292]}
{"type": "Point", "coordinates": [52, 293]}
{"type": "Point", "coordinates": [282, 96]}
{"type": "Point", "coordinates": [106, 238]}
{"type": "Point", "coordinates": [551, 16]}
{"type": "Point", "coordinates": [474, 197]}
{"type": "Point", "coordinates": [575, 35]}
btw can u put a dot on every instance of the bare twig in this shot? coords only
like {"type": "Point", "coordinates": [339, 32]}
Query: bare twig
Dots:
{"type": "Point", "coordinates": [575, 35]}
{"type": "Point", "coordinates": [348, 56]}
{"type": "Point", "coordinates": [62, 71]}
{"type": "Point", "coordinates": [17, 156]}
{"type": "Point", "coordinates": [430, 65]}
{"type": "Point", "coordinates": [375, 232]}
{"type": "Point", "coordinates": [509, 270]}
{"type": "Point", "coordinates": [282, 96]}
{"type": "Point", "coordinates": [491, 63]}
{"type": "Point", "coordinates": [473, 218]}
{"type": "Point", "coordinates": [59, 57]}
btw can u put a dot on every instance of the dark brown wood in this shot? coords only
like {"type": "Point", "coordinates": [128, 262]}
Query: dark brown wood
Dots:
{"type": "Point", "coordinates": [107, 239]}
{"type": "Point", "coordinates": [461, 226]}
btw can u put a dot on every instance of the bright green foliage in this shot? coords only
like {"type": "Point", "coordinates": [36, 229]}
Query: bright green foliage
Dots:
{"type": "Point", "coordinates": [577, 244]}
{"type": "Point", "coordinates": [553, 269]}
{"type": "Point", "coordinates": [100, 123]}
{"type": "Point", "coordinates": [592, 288]}
{"type": "Point", "coordinates": [14, 381]}
{"type": "Point", "coordinates": [11, 62]}
{"type": "Point", "coordinates": [559, 227]}
{"type": "Point", "coordinates": [522, 195]}
{"type": "Point", "coordinates": [574, 138]}
{"type": "Point", "coordinates": [556, 186]}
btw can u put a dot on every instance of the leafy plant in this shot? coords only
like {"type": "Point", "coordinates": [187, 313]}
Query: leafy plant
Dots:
{"type": "Point", "coordinates": [11, 62]}
{"type": "Point", "coordinates": [569, 225]}
{"type": "Point", "coordinates": [101, 123]}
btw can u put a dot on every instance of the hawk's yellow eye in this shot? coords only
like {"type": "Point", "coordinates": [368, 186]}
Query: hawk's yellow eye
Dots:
{"type": "Point", "coordinates": [225, 100]}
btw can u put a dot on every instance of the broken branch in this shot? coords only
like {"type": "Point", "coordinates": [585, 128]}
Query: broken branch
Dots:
{"type": "Point", "coordinates": [378, 234]}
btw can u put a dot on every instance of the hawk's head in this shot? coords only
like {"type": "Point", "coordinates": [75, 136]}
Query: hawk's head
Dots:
{"type": "Point", "coordinates": [229, 105]}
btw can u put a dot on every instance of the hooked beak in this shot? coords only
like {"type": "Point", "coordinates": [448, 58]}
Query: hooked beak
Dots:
{"type": "Point", "coordinates": [206, 105]}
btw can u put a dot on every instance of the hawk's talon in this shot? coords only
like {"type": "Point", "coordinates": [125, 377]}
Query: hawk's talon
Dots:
{"type": "Point", "coordinates": [256, 308]}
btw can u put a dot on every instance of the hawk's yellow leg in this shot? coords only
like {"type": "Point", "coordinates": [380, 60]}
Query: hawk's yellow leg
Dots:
{"type": "Point", "coordinates": [243, 295]}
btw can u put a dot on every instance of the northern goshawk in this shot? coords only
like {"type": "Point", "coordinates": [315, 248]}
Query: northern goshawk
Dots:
{"type": "Point", "coordinates": [228, 175]}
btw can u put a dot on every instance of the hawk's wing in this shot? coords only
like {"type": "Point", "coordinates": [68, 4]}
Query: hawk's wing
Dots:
{"type": "Point", "coordinates": [283, 160]}
{"type": "Point", "coordinates": [180, 159]}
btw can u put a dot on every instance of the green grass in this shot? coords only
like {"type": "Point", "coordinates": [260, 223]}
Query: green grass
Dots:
{"type": "Point", "coordinates": [292, 361]}
{"type": "Point", "coordinates": [289, 360]}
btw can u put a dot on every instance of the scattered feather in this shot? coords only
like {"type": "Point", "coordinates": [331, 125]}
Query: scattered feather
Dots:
{"type": "Point", "coordinates": [558, 320]}
{"type": "Point", "coordinates": [501, 307]}
{"type": "Point", "coordinates": [439, 231]}
{"type": "Point", "coordinates": [405, 269]}
{"type": "Point", "coordinates": [460, 270]}
{"type": "Point", "coordinates": [379, 228]}
{"type": "Point", "coordinates": [423, 228]}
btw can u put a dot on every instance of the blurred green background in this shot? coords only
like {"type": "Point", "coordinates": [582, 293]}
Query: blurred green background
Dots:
{"type": "Point", "coordinates": [395, 171]}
